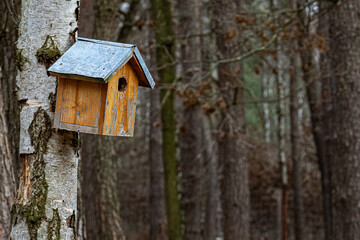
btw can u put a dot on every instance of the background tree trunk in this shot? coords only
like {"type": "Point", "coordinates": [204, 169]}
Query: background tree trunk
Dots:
{"type": "Point", "coordinates": [101, 204]}
{"type": "Point", "coordinates": [296, 152]}
{"type": "Point", "coordinates": [232, 153]}
{"type": "Point", "coordinates": [158, 221]}
{"type": "Point", "coordinates": [191, 136]}
{"type": "Point", "coordinates": [165, 47]}
{"type": "Point", "coordinates": [318, 92]}
{"type": "Point", "coordinates": [212, 185]}
{"type": "Point", "coordinates": [158, 226]}
{"type": "Point", "coordinates": [344, 115]}
{"type": "Point", "coordinates": [9, 113]}
{"type": "Point", "coordinates": [46, 200]}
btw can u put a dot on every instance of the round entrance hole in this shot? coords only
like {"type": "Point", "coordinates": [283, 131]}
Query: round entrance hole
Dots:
{"type": "Point", "coordinates": [122, 84]}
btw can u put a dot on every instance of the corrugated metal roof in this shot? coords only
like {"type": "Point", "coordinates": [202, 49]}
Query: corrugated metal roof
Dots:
{"type": "Point", "coordinates": [97, 60]}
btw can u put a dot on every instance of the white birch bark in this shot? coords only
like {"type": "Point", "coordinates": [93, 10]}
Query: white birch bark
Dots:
{"type": "Point", "coordinates": [47, 193]}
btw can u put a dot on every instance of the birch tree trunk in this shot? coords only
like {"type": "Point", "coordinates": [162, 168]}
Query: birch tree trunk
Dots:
{"type": "Point", "coordinates": [344, 114]}
{"type": "Point", "coordinates": [190, 138]}
{"type": "Point", "coordinates": [9, 114]}
{"type": "Point", "coordinates": [235, 194]}
{"type": "Point", "coordinates": [45, 207]}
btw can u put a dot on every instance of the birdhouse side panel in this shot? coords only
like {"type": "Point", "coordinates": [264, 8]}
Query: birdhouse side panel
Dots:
{"type": "Point", "coordinates": [121, 103]}
{"type": "Point", "coordinates": [79, 105]}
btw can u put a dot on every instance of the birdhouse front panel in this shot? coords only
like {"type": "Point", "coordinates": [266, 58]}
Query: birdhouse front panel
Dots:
{"type": "Point", "coordinates": [98, 87]}
{"type": "Point", "coordinates": [121, 102]}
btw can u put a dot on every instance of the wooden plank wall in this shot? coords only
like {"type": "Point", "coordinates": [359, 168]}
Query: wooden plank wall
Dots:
{"type": "Point", "coordinates": [121, 106]}
{"type": "Point", "coordinates": [80, 103]}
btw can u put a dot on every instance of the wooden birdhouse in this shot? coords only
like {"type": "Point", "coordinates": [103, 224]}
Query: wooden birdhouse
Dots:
{"type": "Point", "coordinates": [98, 87]}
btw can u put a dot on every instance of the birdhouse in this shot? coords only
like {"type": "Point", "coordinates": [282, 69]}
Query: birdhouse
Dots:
{"type": "Point", "coordinates": [98, 87]}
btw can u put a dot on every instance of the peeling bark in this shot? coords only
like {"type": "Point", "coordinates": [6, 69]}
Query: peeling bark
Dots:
{"type": "Point", "coordinates": [48, 177]}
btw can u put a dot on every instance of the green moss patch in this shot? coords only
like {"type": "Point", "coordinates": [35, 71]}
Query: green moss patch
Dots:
{"type": "Point", "coordinates": [48, 53]}
{"type": "Point", "coordinates": [34, 210]}
{"type": "Point", "coordinates": [54, 226]}
{"type": "Point", "coordinates": [20, 59]}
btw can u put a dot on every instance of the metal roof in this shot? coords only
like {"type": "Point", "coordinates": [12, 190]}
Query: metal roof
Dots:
{"type": "Point", "coordinates": [96, 60]}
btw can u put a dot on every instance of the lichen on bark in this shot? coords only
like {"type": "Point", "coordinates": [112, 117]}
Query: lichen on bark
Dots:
{"type": "Point", "coordinates": [20, 59]}
{"type": "Point", "coordinates": [48, 53]}
{"type": "Point", "coordinates": [34, 209]}
{"type": "Point", "coordinates": [54, 226]}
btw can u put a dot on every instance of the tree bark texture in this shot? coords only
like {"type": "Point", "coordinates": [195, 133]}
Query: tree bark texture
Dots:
{"type": "Point", "coordinates": [317, 92]}
{"type": "Point", "coordinates": [101, 204]}
{"type": "Point", "coordinates": [9, 113]}
{"type": "Point", "coordinates": [212, 185]}
{"type": "Point", "coordinates": [296, 153]}
{"type": "Point", "coordinates": [343, 114]}
{"type": "Point", "coordinates": [191, 134]}
{"type": "Point", "coordinates": [158, 226]}
{"type": "Point", "coordinates": [158, 220]}
{"type": "Point", "coordinates": [99, 197]}
{"type": "Point", "coordinates": [231, 139]}
{"type": "Point", "coordinates": [295, 135]}
{"type": "Point", "coordinates": [46, 203]}
{"type": "Point", "coordinates": [280, 85]}
{"type": "Point", "coordinates": [165, 47]}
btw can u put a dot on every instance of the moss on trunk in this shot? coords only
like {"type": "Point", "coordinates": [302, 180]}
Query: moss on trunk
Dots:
{"type": "Point", "coordinates": [48, 53]}
{"type": "Point", "coordinates": [34, 210]}
{"type": "Point", "coordinates": [161, 10]}
{"type": "Point", "coordinates": [54, 226]}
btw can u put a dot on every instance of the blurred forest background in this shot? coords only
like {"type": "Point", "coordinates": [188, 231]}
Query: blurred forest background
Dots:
{"type": "Point", "coordinates": [252, 131]}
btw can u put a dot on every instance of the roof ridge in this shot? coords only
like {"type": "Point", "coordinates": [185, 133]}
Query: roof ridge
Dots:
{"type": "Point", "coordinates": [115, 44]}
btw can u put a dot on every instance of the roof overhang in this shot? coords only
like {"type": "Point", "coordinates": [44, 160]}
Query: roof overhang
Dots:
{"type": "Point", "coordinates": [96, 60]}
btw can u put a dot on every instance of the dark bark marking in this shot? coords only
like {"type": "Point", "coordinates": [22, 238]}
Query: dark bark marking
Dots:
{"type": "Point", "coordinates": [34, 210]}
{"type": "Point", "coordinates": [54, 226]}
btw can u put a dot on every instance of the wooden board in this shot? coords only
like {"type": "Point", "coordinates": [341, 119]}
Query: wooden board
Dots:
{"type": "Point", "coordinates": [121, 106]}
{"type": "Point", "coordinates": [80, 105]}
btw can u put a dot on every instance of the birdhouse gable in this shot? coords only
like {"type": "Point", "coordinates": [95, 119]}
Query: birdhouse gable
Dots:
{"type": "Point", "coordinates": [98, 61]}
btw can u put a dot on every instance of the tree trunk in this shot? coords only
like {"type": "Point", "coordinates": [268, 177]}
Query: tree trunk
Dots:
{"type": "Point", "coordinates": [161, 14]}
{"type": "Point", "coordinates": [212, 188]}
{"type": "Point", "coordinates": [232, 155]}
{"type": "Point", "coordinates": [158, 221]}
{"type": "Point", "coordinates": [9, 114]}
{"type": "Point", "coordinates": [343, 114]}
{"type": "Point", "coordinates": [46, 204]}
{"type": "Point", "coordinates": [101, 204]}
{"type": "Point", "coordinates": [280, 85]}
{"type": "Point", "coordinates": [190, 137]}
{"type": "Point", "coordinates": [296, 153]}
{"type": "Point", "coordinates": [100, 199]}
{"type": "Point", "coordinates": [316, 91]}
{"type": "Point", "coordinates": [158, 226]}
